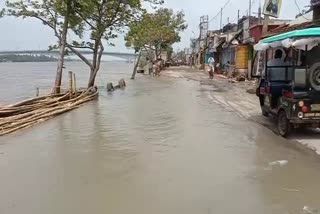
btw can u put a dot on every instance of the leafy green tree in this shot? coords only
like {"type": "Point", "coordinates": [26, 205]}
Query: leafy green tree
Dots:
{"type": "Point", "coordinates": [156, 31]}
{"type": "Point", "coordinates": [100, 19]}
{"type": "Point", "coordinates": [2, 12]}
{"type": "Point", "coordinates": [103, 20]}
{"type": "Point", "coordinates": [56, 14]}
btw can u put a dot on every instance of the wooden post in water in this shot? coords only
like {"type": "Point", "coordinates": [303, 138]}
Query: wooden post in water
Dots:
{"type": "Point", "coordinates": [74, 83]}
{"type": "Point", "coordinates": [122, 83]}
{"type": "Point", "coordinates": [136, 66]}
{"type": "Point", "coordinates": [37, 92]}
{"type": "Point", "coordinates": [70, 85]}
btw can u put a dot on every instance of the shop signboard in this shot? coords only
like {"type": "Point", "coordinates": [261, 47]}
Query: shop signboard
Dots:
{"type": "Point", "coordinates": [272, 8]}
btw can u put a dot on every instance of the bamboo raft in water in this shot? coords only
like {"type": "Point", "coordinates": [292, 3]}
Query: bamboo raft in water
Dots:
{"type": "Point", "coordinates": [33, 111]}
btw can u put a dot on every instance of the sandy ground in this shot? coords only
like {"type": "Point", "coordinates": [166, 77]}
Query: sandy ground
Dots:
{"type": "Point", "coordinates": [235, 97]}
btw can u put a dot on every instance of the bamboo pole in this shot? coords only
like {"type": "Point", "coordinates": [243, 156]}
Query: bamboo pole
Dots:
{"type": "Point", "coordinates": [43, 110]}
{"type": "Point", "coordinates": [70, 85]}
{"type": "Point", "coordinates": [74, 83]}
{"type": "Point", "coordinates": [37, 92]}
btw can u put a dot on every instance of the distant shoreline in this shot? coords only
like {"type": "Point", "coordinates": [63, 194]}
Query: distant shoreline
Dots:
{"type": "Point", "coordinates": [26, 58]}
{"type": "Point", "coordinates": [21, 58]}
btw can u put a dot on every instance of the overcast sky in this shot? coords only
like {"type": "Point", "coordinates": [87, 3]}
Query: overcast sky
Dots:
{"type": "Point", "coordinates": [29, 34]}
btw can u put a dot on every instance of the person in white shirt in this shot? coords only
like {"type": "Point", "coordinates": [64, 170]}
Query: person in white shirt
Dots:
{"type": "Point", "coordinates": [211, 63]}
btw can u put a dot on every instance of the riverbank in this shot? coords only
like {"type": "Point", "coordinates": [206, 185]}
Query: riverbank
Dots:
{"type": "Point", "coordinates": [235, 97]}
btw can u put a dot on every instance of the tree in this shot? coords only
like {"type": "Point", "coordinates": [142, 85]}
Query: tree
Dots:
{"type": "Point", "coordinates": [104, 19]}
{"type": "Point", "coordinates": [156, 31]}
{"type": "Point", "coordinates": [56, 14]}
{"type": "Point", "coordinates": [101, 19]}
{"type": "Point", "coordinates": [2, 12]}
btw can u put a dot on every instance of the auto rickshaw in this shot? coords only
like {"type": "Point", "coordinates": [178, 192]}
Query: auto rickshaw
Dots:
{"type": "Point", "coordinates": [289, 88]}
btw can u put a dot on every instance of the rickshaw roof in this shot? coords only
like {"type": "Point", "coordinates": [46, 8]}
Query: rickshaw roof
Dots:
{"type": "Point", "coordinates": [308, 32]}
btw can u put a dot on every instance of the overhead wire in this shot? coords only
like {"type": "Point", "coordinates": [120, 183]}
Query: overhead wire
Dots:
{"type": "Point", "coordinates": [300, 12]}
{"type": "Point", "coordinates": [225, 5]}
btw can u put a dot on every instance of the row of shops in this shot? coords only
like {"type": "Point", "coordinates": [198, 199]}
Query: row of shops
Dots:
{"type": "Point", "coordinates": [232, 46]}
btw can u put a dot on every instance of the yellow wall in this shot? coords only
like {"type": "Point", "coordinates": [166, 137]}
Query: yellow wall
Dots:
{"type": "Point", "coordinates": [242, 57]}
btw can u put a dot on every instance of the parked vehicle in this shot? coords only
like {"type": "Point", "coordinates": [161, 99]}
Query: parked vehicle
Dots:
{"type": "Point", "coordinates": [289, 86]}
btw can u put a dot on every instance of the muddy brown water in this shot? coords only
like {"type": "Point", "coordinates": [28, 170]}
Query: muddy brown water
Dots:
{"type": "Point", "coordinates": [161, 146]}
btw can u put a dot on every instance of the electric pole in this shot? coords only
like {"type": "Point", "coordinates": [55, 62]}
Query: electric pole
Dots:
{"type": "Point", "coordinates": [238, 19]}
{"type": "Point", "coordinates": [204, 26]}
{"type": "Point", "coordinates": [250, 5]}
{"type": "Point", "coordinates": [259, 13]}
{"type": "Point", "coordinates": [221, 19]}
{"type": "Point", "coordinates": [315, 5]}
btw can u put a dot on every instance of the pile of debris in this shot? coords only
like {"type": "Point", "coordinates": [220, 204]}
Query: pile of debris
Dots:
{"type": "Point", "coordinates": [121, 85]}
{"type": "Point", "coordinates": [33, 111]}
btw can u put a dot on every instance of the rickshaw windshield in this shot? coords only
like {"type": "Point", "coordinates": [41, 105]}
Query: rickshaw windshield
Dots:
{"type": "Point", "coordinates": [280, 73]}
{"type": "Point", "coordinates": [280, 64]}
{"type": "Point", "coordinates": [300, 50]}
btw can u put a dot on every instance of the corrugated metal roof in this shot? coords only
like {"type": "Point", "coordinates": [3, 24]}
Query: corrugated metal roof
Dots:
{"type": "Point", "coordinates": [304, 21]}
{"type": "Point", "coordinates": [235, 36]}
{"type": "Point", "coordinates": [287, 27]}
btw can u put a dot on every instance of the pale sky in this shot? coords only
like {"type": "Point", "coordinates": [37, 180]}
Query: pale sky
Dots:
{"type": "Point", "coordinates": [29, 34]}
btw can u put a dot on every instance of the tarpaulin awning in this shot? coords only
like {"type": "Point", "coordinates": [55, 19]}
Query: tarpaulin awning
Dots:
{"type": "Point", "coordinates": [309, 32]}
{"type": "Point", "coordinates": [299, 43]}
{"type": "Point", "coordinates": [297, 38]}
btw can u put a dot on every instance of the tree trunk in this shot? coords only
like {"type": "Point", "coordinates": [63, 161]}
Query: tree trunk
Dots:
{"type": "Point", "coordinates": [157, 53]}
{"type": "Point", "coordinates": [62, 44]}
{"type": "Point", "coordinates": [93, 74]}
{"type": "Point", "coordinates": [97, 54]}
{"type": "Point", "coordinates": [136, 67]}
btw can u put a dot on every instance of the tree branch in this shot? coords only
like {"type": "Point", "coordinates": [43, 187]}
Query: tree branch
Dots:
{"type": "Point", "coordinates": [148, 47]}
{"type": "Point", "coordinates": [113, 19]}
{"type": "Point", "coordinates": [80, 47]}
{"type": "Point", "coordinates": [49, 24]}
{"type": "Point", "coordinates": [100, 56]}
{"type": "Point", "coordinates": [85, 20]}
{"type": "Point", "coordinates": [83, 58]}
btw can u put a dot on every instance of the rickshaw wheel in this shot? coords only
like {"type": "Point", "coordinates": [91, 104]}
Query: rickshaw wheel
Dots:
{"type": "Point", "coordinates": [314, 76]}
{"type": "Point", "coordinates": [284, 126]}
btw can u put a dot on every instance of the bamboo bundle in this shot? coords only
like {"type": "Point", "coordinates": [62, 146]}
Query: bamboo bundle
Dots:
{"type": "Point", "coordinates": [32, 111]}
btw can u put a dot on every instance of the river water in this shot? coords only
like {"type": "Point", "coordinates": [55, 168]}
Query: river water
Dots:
{"type": "Point", "coordinates": [19, 81]}
{"type": "Point", "coordinates": [161, 146]}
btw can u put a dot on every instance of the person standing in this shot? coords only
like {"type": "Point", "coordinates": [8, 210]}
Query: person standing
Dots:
{"type": "Point", "coordinates": [211, 63]}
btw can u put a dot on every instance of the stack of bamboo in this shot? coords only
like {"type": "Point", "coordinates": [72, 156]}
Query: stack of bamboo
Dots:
{"type": "Point", "coordinates": [30, 112]}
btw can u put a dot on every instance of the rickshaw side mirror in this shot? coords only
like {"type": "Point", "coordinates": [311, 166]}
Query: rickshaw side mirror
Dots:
{"type": "Point", "coordinates": [254, 73]}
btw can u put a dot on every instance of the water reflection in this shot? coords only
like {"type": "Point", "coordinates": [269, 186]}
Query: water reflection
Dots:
{"type": "Point", "coordinates": [288, 188]}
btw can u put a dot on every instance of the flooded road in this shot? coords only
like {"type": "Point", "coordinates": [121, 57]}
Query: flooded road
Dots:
{"type": "Point", "coordinates": [161, 147]}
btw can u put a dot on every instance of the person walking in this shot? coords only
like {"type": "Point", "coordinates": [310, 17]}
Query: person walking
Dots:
{"type": "Point", "coordinates": [211, 63]}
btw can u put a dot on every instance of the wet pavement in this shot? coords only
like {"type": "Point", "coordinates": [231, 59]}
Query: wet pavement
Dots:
{"type": "Point", "coordinates": [161, 146]}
